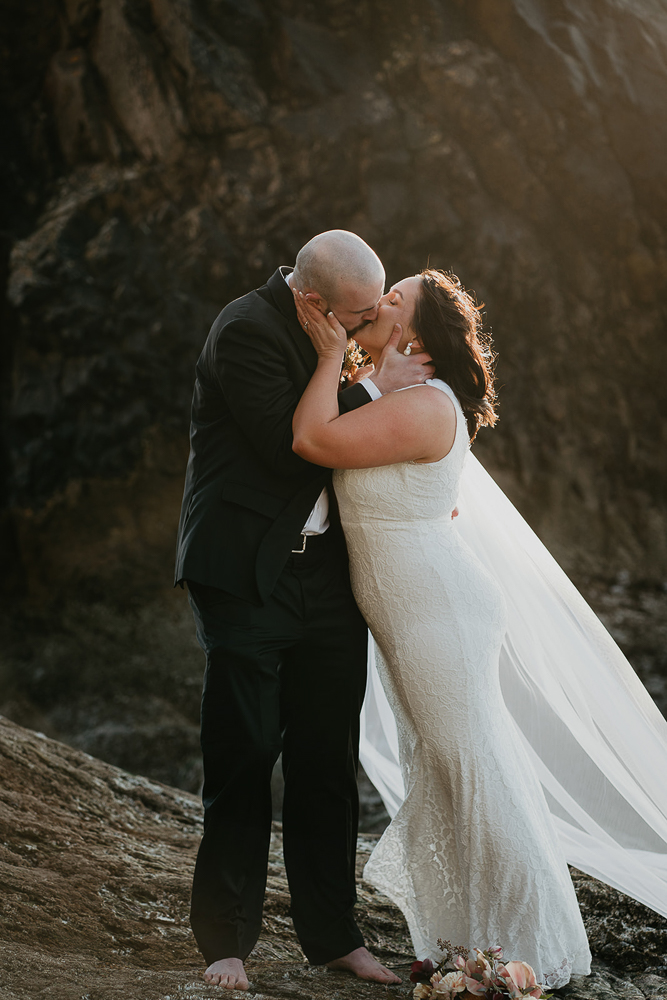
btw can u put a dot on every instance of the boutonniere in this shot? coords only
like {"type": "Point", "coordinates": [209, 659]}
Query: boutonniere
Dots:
{"type": "Point", "coordinates": [353, 359]}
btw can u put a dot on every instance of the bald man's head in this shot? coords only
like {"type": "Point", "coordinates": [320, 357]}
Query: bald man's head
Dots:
{"type": "Point", "coordinates": [346, 274]}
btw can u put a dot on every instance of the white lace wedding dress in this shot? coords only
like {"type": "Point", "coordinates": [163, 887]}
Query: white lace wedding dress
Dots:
{"type": "Point", "coordinates": [472, 854]}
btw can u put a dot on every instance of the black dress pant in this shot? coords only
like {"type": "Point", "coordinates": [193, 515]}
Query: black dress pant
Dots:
{"type": "Point", "coordinates": [287, 676]}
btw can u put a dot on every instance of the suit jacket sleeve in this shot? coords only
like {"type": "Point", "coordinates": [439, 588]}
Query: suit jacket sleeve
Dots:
{"type": "Point", "coordinates": [352, 397]}
{"type": "Point", "coordinates": [252, 371]}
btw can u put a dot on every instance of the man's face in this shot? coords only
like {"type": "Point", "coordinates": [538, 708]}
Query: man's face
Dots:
{"type": "Point", "coordinates": [355, 307]}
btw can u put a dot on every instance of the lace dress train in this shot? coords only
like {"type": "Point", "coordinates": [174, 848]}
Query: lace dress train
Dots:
{"type": "Point", "coordinates": [472, 855]}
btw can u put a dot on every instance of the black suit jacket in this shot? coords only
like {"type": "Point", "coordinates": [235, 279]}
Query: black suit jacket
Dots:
{"type": "Point", "coordinates": [247, 494]}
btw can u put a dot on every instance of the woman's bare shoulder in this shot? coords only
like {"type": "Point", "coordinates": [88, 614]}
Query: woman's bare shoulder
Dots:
{"type": "Point", "coordinates": [420, 397]}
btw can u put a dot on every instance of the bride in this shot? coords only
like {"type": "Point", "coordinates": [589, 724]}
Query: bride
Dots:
{"type": "Point", "coordinates": [474, 853]}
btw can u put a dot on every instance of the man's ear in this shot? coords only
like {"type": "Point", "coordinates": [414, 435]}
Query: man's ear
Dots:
{"type": "Point", "coordinates": [316, 300]}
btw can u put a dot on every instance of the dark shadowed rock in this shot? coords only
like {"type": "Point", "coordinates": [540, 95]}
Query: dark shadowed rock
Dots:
{"type": "Point", "coordinates": [192, 146]}
{"type": "Point", "coordinates": [95, 869]}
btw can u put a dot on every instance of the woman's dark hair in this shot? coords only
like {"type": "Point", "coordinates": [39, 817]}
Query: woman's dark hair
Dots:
{"type": "Point", "coordinates": [448, 323]}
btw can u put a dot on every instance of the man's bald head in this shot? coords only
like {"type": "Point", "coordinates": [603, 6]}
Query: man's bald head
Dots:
{"type": "Point", "coordinates": [344, 272]}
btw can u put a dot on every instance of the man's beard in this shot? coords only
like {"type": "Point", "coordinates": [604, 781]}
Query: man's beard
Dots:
{"type": "Point", "coordinates": [352, 333]}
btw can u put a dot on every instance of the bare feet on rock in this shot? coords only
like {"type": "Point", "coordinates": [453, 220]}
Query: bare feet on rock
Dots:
{"type": "Point", "coordinates": [228, 973]}
{"type": "Point", "coordinates": [362, 964]}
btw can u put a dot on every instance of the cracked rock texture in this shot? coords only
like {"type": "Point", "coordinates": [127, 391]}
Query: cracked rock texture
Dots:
{"type": "Point", "coordinates": [95, 869]}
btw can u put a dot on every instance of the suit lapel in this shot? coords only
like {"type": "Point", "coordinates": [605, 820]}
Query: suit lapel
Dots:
{"type": "Point", "coordinates": [282, 296]}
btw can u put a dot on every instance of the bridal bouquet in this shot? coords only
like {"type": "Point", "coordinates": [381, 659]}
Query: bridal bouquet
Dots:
{"type": "Point", "coordinates": [485, 975]}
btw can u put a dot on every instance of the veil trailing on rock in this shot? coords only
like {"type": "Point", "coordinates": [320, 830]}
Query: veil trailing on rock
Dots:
{"type": "Point", "coordinates": [592, 731]}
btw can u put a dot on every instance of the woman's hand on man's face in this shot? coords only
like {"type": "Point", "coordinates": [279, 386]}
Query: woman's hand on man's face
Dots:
{"type": "Point", "coordinates": [328, 337]}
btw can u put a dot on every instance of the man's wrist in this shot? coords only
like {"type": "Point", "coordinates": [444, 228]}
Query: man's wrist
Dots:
{"type": "Point", "coordinates": [371, 388]}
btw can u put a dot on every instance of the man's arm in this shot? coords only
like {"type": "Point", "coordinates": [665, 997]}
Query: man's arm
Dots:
{"type": "Point", "coordinates": [252, 374]}
{"type": "Point", "coordinates": [353, 397]}
{"type": "Point", "coordinates": [251, 371]}
{"type": "Point", "coordinates": [395, 371]}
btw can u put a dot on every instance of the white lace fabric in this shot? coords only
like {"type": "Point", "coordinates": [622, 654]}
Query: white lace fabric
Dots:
{"type": "Point", "coordinates": [472, 854]}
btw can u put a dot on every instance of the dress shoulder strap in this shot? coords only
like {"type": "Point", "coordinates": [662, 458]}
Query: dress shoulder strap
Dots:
{"type": "Point", "coordinates": [437, 383]}
{"type": "Point", "coordinates": [461, 422]}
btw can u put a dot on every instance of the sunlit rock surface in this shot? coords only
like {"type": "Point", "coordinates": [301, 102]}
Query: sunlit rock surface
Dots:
{"type": "Point", "coordinates": [95, 869]}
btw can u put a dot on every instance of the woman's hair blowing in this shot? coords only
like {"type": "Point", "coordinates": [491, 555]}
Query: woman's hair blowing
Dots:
{"type": "Point", "coordinates": [448, 323]}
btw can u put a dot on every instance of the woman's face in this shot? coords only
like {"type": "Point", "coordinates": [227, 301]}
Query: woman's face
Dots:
{"type": "Point", "coordinates": [397, 306]}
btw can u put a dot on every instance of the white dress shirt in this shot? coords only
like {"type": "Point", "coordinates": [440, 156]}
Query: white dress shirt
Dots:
{"type": "Point", "coordinates": [318, 519]}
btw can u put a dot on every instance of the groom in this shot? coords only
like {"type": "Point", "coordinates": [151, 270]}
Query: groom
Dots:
{"type": "Point", "coordinates": [263, 553]}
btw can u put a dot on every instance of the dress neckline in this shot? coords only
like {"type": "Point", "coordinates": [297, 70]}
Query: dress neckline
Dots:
{"type": "Point", "coordinates": [437, 382]}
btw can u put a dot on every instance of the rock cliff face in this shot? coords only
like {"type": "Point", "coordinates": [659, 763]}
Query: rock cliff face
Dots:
{"type": "Point", "coordinates": [174, 151]}
{"type": "Point", "coordinates": [95, 871]}
{"type": "Point", "coordinates": [163, 156]}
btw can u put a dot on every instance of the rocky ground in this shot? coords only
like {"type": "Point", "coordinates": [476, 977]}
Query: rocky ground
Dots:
{"type": "Point", "coordinates": [95, 868]}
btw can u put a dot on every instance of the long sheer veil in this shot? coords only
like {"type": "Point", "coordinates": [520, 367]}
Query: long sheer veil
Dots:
{"type": "Point", "coordinates": [593, 733]}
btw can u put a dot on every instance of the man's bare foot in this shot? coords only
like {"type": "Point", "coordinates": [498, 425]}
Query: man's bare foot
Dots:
{"type": "Point", "coordinates": [228, 973]}
{"type": "Point", "coordinates": [362, 964]}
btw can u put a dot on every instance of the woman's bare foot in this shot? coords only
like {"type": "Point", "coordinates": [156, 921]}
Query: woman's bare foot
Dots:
{"type": "Point", "coordinates": [228, 973]}
{"type": "Point", "coordinates": [362, 964]}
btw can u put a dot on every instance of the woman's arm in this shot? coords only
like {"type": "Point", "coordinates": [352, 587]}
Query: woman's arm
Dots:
{"type": "Point", "coordinates": [417, 424]}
